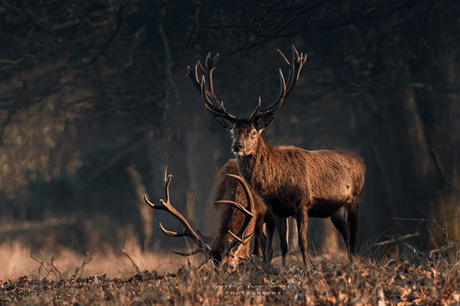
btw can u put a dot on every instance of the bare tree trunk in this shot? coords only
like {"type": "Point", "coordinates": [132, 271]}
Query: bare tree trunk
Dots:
{"type": "Point", "coordinates": [417, 141]}
{"type": "Point", "coordinates": [447, 140]}
{"type": "Point", "coordinates": [145, 211]}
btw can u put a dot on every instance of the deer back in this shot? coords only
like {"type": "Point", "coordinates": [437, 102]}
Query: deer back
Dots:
{"type": "Point", "coordinates": [283, 175]}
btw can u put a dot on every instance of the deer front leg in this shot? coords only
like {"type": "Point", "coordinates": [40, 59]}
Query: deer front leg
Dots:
{"type": "Point", "coordinates": [302, 227]}
{"type": "Point", "coordinates": [283, 232]}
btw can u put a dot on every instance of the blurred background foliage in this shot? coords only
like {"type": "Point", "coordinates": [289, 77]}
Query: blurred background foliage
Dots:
{"type": "Point", "coordinates": [94, 102]}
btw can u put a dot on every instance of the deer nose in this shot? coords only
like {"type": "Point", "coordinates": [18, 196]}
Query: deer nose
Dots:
{"type": "Point", "coordinates": [236, 147]}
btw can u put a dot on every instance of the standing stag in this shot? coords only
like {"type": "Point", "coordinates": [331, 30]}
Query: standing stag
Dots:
{"type": "Point", "coordinates": [291, 181]}
{"type": "Point", "coordinates": [244, 215]}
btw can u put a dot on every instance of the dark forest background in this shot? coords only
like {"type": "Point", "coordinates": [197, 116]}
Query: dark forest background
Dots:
{"type": "Point", "coordinates": [94, 101]}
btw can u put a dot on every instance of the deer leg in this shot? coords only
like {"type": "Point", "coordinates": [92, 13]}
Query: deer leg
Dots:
{"type": "Point", "coordinates": [283, 232]}
{"type": "Point", "coordinates": [353, 230]}
{"type": "Point", "coordinates": [339, 219]}
{"type": "Point", "coordinates": [270, 230]}
{"type": "Point", "coordinates": [259, 239]}
{"type": "Point", "coordinates": [262, 246]}
{"type": "Point", "coordinates": [302, 228]}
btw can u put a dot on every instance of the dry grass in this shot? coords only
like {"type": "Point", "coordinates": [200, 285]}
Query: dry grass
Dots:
{"type": "Point", "coordinates": [332, 281]}
{"type": "Point", "coordinates": [131, 276]}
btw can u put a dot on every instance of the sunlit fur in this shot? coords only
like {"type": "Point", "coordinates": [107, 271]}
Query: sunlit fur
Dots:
{"type": "Point", "coordinates": [231, 218]}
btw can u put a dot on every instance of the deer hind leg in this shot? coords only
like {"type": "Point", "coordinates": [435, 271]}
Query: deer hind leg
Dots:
{"type": "Point", "coordinates": [282, 229]}
{"type": "Point", "coordinates": [269, 230]}
{"type": "Point", "coordinates": [339, 219]}
{"type": "Point", "coordinates": [353, 228]}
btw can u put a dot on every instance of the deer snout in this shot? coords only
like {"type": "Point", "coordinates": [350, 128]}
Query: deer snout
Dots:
{"type": "Point", "coordinates": [236, 147]}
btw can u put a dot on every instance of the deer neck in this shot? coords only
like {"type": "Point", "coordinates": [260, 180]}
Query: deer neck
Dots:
{"type": "Point", "coordinates": [258, 169]}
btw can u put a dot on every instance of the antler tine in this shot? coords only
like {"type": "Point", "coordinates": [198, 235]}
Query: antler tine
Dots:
{"type": "Point", "coordinates": [189, 253]}
{"type": "Point", "coordinates": [236, 205]}
{"type": "Point", "coordinates": [242, 240]}
{"type": "Point", "coordinates": [207, 90]}
{"type": "Point", "coordinates": [192, 74]}
{"type": "Point", "coordinates": [216, 111]}
{"type": "Point", "coordinates": [297, 63]}
{"type": "Point", "coordinates": [170, 233]}
{"type": "Point", "coordinates": [256, 114]}
{"type": "Point", "coordinates": [167, 180]}
{"type": "Point", "coordinates": [166, 205]}
{"type": "Point", "coordinates": [256, 110]}
{"type": "Point", "coordinates": [238, 238]}
{"type": "Point", "coordinates": [198, 250]}
{"type": "Point", "coordinates": [210, 66]}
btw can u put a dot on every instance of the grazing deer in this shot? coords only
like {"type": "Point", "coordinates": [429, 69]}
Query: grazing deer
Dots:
{"type": "Point", "coordinates": [244, 215]}
{"type": "Point", "coordinates": [230, 190]}
{"type": "Point", "coordinates": [291, 181]}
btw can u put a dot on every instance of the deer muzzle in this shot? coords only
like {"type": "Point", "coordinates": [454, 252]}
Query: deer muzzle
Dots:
{"type": "Point", "coordinates": [236, 147]}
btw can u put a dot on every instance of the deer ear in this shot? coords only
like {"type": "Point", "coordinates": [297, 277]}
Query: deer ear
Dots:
{"type": "Point", "coordinates": [224, 122]}
{"type": "Point", "coordinates": [265, 121]}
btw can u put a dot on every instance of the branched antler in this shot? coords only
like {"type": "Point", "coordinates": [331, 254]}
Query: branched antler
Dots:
{"type": "Point", "coordinates": [211, 102]}
{"type": "Point", "coordinates": [217, 108]}
{"type": "Point", "coordinates": [297, 63]}
{"type": "Point", "coordinates": [238, 238]}
{"type": "Point", "coordinates": [188, 231]}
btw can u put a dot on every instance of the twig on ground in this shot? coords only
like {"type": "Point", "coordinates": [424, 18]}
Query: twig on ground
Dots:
{"type": "Point", "coordinates": [441, 229]}
{"type": "Point", "coordinates": [312, 264]}
{"type": "Point", "coordinates": [417, 251]}
{"type": "Point", "coordinates": [54, 267]}
{"type": "Point", "coordinates": [42, 265]}
{"type": "Point", "coordinates": [87, 259]}
{"type": "Point", "coordinates": [132, 261]}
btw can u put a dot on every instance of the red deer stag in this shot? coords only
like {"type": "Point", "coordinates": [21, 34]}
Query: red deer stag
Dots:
{"type": "Point", "coordinates": [291, 181]}
{"type": "Point", "coordinates": [244, 214]}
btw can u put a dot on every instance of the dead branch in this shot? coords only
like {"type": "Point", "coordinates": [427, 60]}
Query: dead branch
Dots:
{"type": "Point", "coordinates": [381, 78]}
{"type": "Point", "coordinates": [446, 240]}
{"type": "Point", "coordinates": [118, 22]}
{"type": "Point", "coordinates": [397, 239]}
{"type": "Point", "coordinates": [17, 61]}
{"type": "Point", "coordinates": [87, 259]}
{"type": "Point", "coordinates": [253, 25]}
{"type": "Point", "coordinates": [52, 265]}
{"type": "Point", "coordinates": [417, 251]}
{"type": "Point", "coordinates": [43, 266]}
{"type": "Point", "coordinates": [131, 50]}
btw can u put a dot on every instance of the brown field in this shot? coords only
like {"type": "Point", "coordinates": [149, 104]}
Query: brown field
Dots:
{"type": "Point", "coordinates": [331, 281]}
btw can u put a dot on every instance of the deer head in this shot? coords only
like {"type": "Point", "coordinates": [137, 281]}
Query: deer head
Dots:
{"type": "Point", "coordinates": [245, 133]}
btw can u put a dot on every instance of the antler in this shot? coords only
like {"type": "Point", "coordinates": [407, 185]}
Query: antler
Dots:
{"type": "Point", "coordinates": [297, 63]}
{"type": "Point", "coordinates": [238, 238]}
{"type": "Point", "coordinates": [188, 231]}
{"type": "Point", "coordinates": [211, 102]}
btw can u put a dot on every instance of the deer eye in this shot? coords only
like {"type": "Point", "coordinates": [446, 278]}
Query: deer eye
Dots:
{"type": "Point", "coordinates": [253, 133]}
{"type": "Point", "coordinates": [231, 133]}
